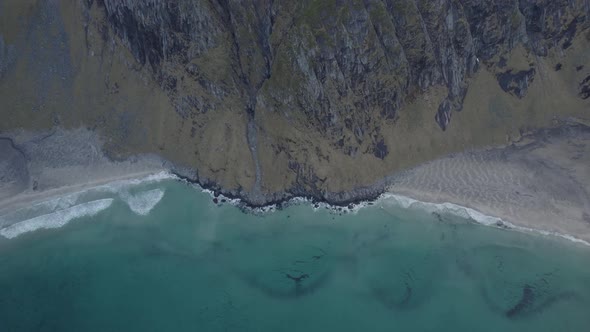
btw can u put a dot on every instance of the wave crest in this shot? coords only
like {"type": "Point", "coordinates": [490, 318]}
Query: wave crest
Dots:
{"type": "Point", "coordinates": [450, 208]}
{"type": "Point", "coordinates": [56, 219]}
{"type": "Point", "coordinates": [144, 202]}
{"type": "Point", "coordinates": [470, 214]}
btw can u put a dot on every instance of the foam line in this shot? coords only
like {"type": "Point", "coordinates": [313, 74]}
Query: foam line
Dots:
{"type": "Point", "coordinates": [56, 219]}
{"type": "Point", "coordinates": [468, 213]}
{"type": "Point", "coordinates": [143, 202]}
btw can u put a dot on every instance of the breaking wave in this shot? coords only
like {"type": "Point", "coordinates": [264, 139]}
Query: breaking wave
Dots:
{"type": "Point", "coordinates": [123, 185]}
{"type": "Point", "coordinates": [469, 214]}
{"type": "Point", "coordinates": [448, 208]}
{"type": "Point", "coordinates": [56, 219]}
{"type": "Point", "coordinates": [142, 203]}
{"type": "Point", "coordinates": [56, 212]}
{"type": "Point", "coordinates": [403, 202]}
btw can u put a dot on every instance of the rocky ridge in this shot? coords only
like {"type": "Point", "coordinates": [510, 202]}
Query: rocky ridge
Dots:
{"type": "Point", "coordinates": [342, 57]}
{"type": "Point", "coordinates": [270, 99]}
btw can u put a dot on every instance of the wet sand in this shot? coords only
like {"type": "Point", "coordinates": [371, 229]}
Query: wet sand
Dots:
{"type": "Point", "coordinates": [40, 166]}
{"type": "Point", "coordinates": [13, 170]}
{"type": "Point", "coordinates": [541, 182]}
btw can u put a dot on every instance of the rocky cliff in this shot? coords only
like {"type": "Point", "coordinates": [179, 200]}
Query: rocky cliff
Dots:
{"type": "Point", "coordinates": [270, 98]}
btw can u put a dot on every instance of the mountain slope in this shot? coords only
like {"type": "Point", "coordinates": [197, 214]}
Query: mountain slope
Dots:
{"type": "Point", "coordinates": [306, 97]}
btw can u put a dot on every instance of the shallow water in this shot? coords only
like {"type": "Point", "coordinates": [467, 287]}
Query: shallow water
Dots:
{"type": "Point", "coordinates": [188, 264]}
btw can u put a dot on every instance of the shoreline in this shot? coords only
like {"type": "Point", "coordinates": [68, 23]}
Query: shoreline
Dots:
{"type": "Point", "coordinates": [436, 209]}
{"type": "Point", "coordinates": [31, 198]}
{"type": "Point", "coordinates": [422, 183]}
{"type": "Point", "coordinates": [405, 202]}
{"type": "Point", "coordinates": [402, 201]}
{"type": "Point", "coordinates": [362, 193]}
{"type": "Point", "coordinates": [473, 215]}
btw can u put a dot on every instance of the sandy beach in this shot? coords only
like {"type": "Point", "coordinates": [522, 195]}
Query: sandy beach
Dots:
{"type": "Point", "coordinates": [38, 167]}
{"type": "Point", "coordinates": [541, 182]}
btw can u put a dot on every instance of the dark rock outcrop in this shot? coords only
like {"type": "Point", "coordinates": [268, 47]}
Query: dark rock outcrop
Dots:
{"type": "Point", "coordinates": [516, 83]}
{"type": "Point", "coordinates": [7, 56]}
{"type": "Point", "coordinates": [342, 58]}
{"type": "Point", "coordinates": [585, 88]}
{"type": "Point", "coordinates": [269, 99]}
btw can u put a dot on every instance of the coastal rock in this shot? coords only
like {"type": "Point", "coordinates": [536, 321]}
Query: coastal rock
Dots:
{"type": "Point", "coordinates": [269, 99]}
{"type": "Point", "coordinates": [343, 58]}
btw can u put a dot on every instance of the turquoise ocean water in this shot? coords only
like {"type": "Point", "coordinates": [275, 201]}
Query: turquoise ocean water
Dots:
{"type": "Point", "coordinates": [187, 264]}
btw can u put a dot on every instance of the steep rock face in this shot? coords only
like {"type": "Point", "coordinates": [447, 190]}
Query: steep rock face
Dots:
{"type": "Point", "coordinates": [170, 37]}
{"type": "Point", "coordinates": [7, 56]}
{"type": "Point", "coordinates": [585, 88]}
{"type": "Point", "coordinates": [330, 60]}
{"type": "Point", "coordinates": [516, 83]}
{"type": "Point", "coordinates": [323, 95]}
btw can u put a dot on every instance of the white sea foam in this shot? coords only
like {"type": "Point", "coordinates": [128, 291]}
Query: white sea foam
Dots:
{"type": "Point", "coordinates": [56, 219]}
{"type": "Point", "coordinates": [58, 211]}
{"type": "Point", "coordinates": [548, 233]}
{"type": "Point", "coordinates": [407, 202]}
{"type": "Point", "coordinates": [40, 208]}
{"type": "Point", "coordinates": [142, 203]}
{"type": "Point", "coordinates": [117, 186]}
{"type": "Point", "coordinates": [62, 202]}
{"type": "Point", "coordinates": [70, 199]}
{"type": "Point", "coordinates": [467, 213]}
{"type": "Point", "coordinates": [450, 208]}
